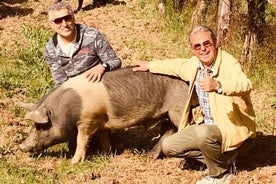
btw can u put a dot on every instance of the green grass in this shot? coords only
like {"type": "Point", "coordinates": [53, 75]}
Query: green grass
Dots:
{"type": "Point", "coordinates": [39, 172]}
{"type": "Point", "coordinates": [50, 166]}
{"type": "Point", "coordinates": [28, 72]}
{"type": "Point", "coordinates": [11, 173]}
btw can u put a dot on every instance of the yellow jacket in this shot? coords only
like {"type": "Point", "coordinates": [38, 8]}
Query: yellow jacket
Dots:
{"type": "Point", "coordinates": [232, 110]}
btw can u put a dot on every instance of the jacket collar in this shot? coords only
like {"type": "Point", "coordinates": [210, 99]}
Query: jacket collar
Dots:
{"type": "Point", "coordinates": [217, 63]}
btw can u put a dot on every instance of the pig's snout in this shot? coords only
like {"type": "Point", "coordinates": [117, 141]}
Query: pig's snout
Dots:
{"type": "Point", "coordinates": [28, 148]}
{"type": "Point", "coordinates": [23, 147]}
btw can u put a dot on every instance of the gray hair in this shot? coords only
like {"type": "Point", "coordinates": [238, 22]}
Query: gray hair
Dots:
{"type": "Point", "coordinates": [59, 6]}
{"type": "Point", "coordinates": [203, 29]}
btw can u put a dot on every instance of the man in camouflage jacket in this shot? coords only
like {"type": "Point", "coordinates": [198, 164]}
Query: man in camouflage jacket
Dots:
{"type": "Point", "coordinates": [77, 49]}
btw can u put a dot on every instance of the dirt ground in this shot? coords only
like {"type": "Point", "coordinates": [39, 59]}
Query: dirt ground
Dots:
{"type": "Point", "coordinates": [126, 167]}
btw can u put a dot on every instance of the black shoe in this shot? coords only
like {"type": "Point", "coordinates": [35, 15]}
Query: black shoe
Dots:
{"type": "Point", "coordinates": [192, 164]}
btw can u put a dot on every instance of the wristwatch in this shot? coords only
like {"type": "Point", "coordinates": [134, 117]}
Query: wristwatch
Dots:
{"type": "Point", "coordinates": [219, 90]}
{"type": "Point", "coordinates": [106, 66]}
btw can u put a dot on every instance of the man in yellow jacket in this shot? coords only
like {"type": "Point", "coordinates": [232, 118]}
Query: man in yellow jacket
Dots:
{"type": "Point", "coordinates": [218, 120]}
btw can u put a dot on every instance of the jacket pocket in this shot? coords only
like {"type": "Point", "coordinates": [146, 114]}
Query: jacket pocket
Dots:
{"type": "Point", "coordinates": [197, 115]}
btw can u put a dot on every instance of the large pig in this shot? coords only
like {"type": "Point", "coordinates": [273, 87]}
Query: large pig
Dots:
{"type": "Point", "coordinates": [77, 109]}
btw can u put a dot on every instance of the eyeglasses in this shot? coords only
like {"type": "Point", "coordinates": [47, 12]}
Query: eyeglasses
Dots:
{"type": "Point", "coordinates": [66, 18]}
{"type": "Point", "coordinates": [206, 44]}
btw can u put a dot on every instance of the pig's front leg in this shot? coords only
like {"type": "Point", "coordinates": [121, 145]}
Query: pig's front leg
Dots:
{"type": "Point", "coordinates": [84, 133]}
{"type": "Point", "coordinates": [104, 137]}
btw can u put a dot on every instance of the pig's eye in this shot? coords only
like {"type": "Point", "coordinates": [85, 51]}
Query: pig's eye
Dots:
{"type": "Point", "coordinates": [42, 126]}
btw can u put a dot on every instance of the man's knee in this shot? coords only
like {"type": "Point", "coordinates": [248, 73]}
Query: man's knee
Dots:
{"type": "Point", "coordinates": [207, 135]}
{"type": "Point", "coordinates": [166, 147]}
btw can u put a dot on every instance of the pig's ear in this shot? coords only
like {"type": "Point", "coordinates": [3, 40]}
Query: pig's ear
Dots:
{"type": "Point", "coordinates": [38, 115]}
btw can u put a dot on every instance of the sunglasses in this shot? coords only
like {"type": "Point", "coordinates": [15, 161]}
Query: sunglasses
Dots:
{"type": "Point", "coordinates": [66, 18]}
{"type": "Point", "coordinates": [206, 44]}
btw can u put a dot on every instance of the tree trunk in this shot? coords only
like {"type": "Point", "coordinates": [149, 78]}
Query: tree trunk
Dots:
{"type": "Point", "coordinates": [254, 35]}
{"type": "Point", "coordinates": [248, 46]}
{"type": "Point", "coordinates": [223, 20]}
{"type": "Point", "coordinates": [198, 16]}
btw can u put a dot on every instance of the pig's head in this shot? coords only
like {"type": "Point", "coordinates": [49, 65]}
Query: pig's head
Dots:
{"type": "Point", "coordinates": [43, 134]}
{"type": "Point", "coordinates": [54, 118]}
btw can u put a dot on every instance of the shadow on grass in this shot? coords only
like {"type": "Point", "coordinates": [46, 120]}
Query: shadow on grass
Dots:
{"type": "Point", "coordinates": [262, 154]}
{"type": "Point", "coordinates": [8, 9]}
{"type": "Point", "coordinates": [101, 4]}
{"type": "Point", "coordinates": [139, 140]}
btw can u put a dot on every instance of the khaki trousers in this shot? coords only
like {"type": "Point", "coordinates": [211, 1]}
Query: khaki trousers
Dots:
{"type": "Point", "coordinates": [203, 143]}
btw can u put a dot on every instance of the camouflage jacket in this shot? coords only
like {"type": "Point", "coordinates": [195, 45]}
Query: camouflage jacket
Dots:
{"type": "Point", "coordinates": [90, 48]}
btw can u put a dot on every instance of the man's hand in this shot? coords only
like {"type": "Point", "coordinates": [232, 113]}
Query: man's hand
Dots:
{"type": "Point", "coordinates": [142, 66]}
{"type": "Point", "coordinates": [95, 73]}
{"type": "Point", "coordinates": [208, 84]}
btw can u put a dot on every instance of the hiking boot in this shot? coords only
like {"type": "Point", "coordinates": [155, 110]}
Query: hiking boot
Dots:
{"type": "Point", "coordinates": [224, 179]}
